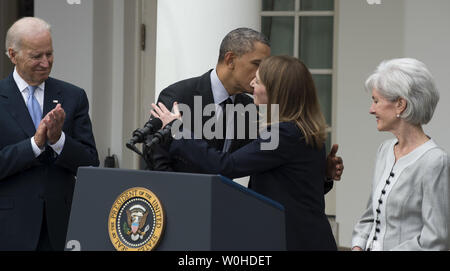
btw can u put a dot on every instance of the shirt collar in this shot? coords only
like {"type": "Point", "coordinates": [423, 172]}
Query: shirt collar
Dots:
{"type": "Point", "coordinates": [22, 84]}
{"type": "Point", "coordinates": [219, 92]}
{"type": "Point", "coordinates": [411, 157]}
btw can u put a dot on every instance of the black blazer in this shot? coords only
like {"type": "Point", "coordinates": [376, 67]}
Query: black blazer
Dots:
{"type": "Point", "coordinates": [292, 174]}
{"type": "Point", "coordinates": [28, 183]}
{"type": "Point", "coordinates": [184, 92]}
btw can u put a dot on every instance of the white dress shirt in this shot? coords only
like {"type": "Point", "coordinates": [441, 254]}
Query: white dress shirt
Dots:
{"type": "Point", "coordinates": [220, 95]}
{"type": "Point", "coordinates": [39, 95]}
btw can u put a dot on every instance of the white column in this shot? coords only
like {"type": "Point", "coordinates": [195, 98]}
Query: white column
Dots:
{"type": "Point", "coordinates": [118, 87]}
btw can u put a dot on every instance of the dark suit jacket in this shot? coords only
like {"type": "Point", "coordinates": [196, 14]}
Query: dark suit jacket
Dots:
{"type": "Point", "coordinates": [184, 92]}
{"type": "Point", "coordinates": [292, 174]}
{"type": "Point", "coordinates": [27, 184]}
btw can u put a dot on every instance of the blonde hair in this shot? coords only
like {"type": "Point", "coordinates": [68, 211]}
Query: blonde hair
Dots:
{"type": "Point", "coordinates": [289, 84]}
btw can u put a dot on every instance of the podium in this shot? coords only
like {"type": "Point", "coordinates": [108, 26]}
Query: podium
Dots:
{"type": "Point", "coordinates": [112, 209]}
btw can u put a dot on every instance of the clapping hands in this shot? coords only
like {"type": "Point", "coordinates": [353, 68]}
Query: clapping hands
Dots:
{"type": "Point", "coordinates": [50, 128]}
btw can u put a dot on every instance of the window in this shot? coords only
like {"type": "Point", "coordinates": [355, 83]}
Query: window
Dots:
{"type": "Point", "coordinates": [305, 29]}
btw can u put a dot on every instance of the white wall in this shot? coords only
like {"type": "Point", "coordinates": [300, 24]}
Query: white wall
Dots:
{"type": "Point", "coordinates": [189, 35]}
{"type": "Point", "coordinates": [82, 56]}
{"type": "Point", "coordinates": [427, 38]}
{"type": "Point", "coordinates": [368, 34]}
{"type": "Point", "coordinates": [72, 33]}
{"type": "Point", "coordinates": [89, 40]}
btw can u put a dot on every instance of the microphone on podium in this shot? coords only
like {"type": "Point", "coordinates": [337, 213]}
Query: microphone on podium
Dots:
{"type": "Point", "coordinates": [141, 134]}
{"type": "Point", "coordinates": [161, 135]}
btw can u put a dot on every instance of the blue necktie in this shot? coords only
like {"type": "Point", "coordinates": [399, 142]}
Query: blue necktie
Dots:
{"type": "Point", "coordinates": [33, 107]}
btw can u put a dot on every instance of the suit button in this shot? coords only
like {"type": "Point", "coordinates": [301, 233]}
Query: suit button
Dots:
{"type": "Point", "coordinates": [375, 238]}
{"type": "Point", "coordinates": [388, 182]}
{"type": "Point", "coordinates": [392, 174]}
{"type": "Point", "coordinates": [377, 230]}
{"type": "Point", "coordinates": [383, 192]}
{"type": "Point", "coordinates": [380, 201]}
{"type": "Point", "coordinates": [378, 211]}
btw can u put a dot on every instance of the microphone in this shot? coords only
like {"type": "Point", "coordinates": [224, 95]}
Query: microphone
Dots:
{"type": "Point", "coordinates": [159, 136]}
{"type": "Point", "coordinates": [139, 135]}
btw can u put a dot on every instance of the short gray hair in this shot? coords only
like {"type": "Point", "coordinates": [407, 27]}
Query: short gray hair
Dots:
{"type": "Point", "coordinates": [22, 27]}
{"type": "Point", "coordinates": [241, 41]}
{"type": "Point", "coordinates": [409, 79]}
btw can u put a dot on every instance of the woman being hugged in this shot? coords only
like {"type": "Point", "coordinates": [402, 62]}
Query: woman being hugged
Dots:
{"type": "Point", "coordinates": [409, 205]}
{"type": "Point", "coordinates": [294, 172]}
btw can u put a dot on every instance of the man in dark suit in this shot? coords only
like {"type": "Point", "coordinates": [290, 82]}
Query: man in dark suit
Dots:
{"type": "Point", "coordinates": [227, 83]}
{"type": "Point", "coordinates": [46, 136]}
{"type": "Point", "coordinates": [241, 52]}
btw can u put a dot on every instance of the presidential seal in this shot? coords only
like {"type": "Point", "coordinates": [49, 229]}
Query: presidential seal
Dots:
{"type": "Point", "coordinates": [136, 221]}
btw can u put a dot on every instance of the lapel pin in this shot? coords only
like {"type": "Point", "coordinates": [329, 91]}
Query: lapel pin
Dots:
{"type": "Point", "coordinates": [55, 101]}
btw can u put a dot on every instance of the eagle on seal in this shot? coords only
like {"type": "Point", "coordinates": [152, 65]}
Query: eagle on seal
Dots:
{"type": "Point", "coordinates": [136, 218]}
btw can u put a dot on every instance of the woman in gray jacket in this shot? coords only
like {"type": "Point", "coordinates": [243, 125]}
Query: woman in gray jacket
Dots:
{"type": "Point", "coordinates": [409, 205]}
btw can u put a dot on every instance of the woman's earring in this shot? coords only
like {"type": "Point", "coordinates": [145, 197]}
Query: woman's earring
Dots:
{"type": "Point", "coordinates": [398, 115]}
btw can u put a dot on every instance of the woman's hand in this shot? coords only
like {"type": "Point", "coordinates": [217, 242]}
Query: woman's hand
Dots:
{"type": "Point", "coordinates": [164, 114]}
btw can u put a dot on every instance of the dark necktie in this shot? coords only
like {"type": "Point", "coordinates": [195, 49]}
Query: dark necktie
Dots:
{"type": "Point", "coordinates": [226, 141]}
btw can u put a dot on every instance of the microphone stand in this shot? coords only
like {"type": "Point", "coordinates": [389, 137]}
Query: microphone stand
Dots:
{"type": "Point", "coordinates": [149, 142]}
{"type": "Point", "coordinates": [146, 154]}
{"type": "Point", "coordinates": [130, 145]}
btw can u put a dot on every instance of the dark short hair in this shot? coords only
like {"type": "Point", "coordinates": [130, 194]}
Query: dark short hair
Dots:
{"type": "Point", "coordinates": [241, 41]}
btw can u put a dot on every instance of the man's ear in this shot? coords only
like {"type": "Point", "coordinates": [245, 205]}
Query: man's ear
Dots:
{"type": "Point", "coordinates": [12, 55]}
{"type": "Point", "coordinates": [229, 59]}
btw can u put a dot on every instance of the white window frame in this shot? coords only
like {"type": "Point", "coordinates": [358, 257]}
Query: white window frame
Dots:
{"type": "Point", "coordinates": [297, 14]}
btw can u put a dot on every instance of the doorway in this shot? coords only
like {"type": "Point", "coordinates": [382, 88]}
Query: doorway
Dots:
{"type": "Point", "coordinates": [147, 61]}
{"type": "Point", "coordinates": [10, 11]}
